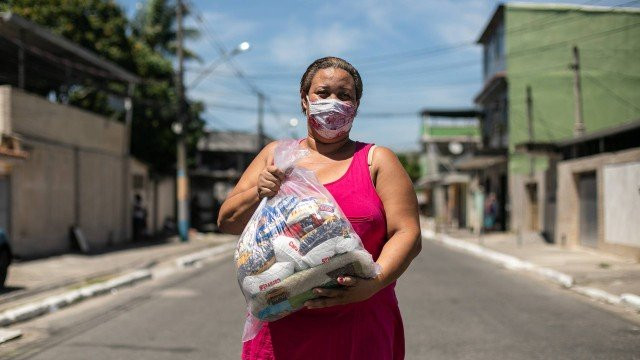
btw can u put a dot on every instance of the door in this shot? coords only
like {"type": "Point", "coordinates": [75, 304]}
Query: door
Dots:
{"type": "Point", "coordinates": [4, 204]}
{"type": "Point", "coordinates": [588, 198]}
{"type": "Point", "coordinates": [532, 193]}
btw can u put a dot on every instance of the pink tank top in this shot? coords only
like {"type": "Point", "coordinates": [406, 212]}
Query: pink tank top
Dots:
{"type": "Point", "coordinates": [357, 197]}
{"type": "Point", "coordinates": [371, 329]}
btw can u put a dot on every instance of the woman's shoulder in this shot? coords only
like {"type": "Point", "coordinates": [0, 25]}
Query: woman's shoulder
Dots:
{"type": "Point", "coordinates": [381, 155]}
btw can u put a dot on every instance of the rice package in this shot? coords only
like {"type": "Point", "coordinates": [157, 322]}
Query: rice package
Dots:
{"type": "Point", "coordinates": [294, 242]}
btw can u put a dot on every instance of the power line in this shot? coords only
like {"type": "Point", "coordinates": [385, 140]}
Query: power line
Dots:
{"type": "Point", "coordinates": [407, 55]}
{"type": "Point", "coordinates": [611, 92]}
{"type": "Point", "coordinates": [440, 67]}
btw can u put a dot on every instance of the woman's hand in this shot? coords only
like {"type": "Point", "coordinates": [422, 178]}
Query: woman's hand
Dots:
{"type": "Point", "coordinates": [269, 181]}
{"type": "Point", "coordinates": [354, 290]}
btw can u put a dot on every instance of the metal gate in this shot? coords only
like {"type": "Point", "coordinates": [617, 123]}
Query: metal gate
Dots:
{"type": "Point", "coordinates": [588, 195]}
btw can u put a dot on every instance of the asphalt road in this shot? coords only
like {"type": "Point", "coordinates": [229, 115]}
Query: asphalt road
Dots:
{"type": "Point", "coordinates": [454, 307]}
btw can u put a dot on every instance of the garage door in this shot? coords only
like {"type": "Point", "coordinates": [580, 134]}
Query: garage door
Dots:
{"type": "Point", "coordinates": [621, 197]}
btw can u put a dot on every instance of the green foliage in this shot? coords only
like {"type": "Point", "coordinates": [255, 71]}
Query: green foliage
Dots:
{"type": "Point", "coordinates": [144, 47]}
{"type": "Point", "coordinates": [411, 166]}
{"type": "Point", "coordinates": [154, 24]}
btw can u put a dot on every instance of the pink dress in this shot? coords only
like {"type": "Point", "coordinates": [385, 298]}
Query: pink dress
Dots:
{"type": "Point", "coordinates": [371, 329]}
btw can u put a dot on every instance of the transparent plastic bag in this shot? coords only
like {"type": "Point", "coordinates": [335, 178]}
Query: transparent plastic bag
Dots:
{"type": "Point", "coordinates": [295, 241]}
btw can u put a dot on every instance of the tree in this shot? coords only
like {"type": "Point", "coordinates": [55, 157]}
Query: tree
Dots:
{"type": "Point", "coordinates": [411, 166]}
{"type": "Point", "coordinates": [155, 25]}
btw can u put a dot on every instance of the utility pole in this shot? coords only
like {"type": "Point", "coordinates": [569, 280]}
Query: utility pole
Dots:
{"type": "Point", "coordinates": [529, 105]}
{"type": "Point", "coordinates": [21, 83]}
{"type": "Point", "coordinates": [578, 126]}
{"type": "Point", "coordinates": [438, 195]}
{"type": "Point", "coordinates": [126, 167]}
{"type": "Point", "coordinates": [260, 121]}
{"type": "Point", "coordinates": [182, 185]}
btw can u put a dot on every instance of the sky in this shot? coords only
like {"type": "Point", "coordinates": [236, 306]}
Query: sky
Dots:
{"type": "Point", "coordinates": [395, 45]}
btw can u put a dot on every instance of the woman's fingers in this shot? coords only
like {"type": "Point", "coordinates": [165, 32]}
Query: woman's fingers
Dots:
{"type": "Point", "coordinates": [279, 174]}
{"type": "Point", "coordinates": [272, 178]}
{"type": "Point", "coordinates": [268, 190]}
{"type": "Point", "coordinates": [269, 181]}
{"type": "Point", "coordinates": [328, 292]}
{"type": "Point", "coordinates": [347, 280]}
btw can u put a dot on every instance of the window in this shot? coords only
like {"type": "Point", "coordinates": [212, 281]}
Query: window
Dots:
{"type": "Point", "coordinates": [493, 52]}
{"type": "Point", "coordinates": [138, 181]}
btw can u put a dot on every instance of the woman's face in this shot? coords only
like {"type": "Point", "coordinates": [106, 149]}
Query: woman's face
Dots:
{"type": "Point", "coordinates": [331, 83]}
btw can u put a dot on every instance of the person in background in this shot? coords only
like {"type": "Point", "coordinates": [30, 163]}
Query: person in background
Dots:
{"type": "Point", "coordinates": [490, 212]}
{"type": "Point", "coordinates": [360, 320]}
{"type": "Point", "coordinates": [139, 218]}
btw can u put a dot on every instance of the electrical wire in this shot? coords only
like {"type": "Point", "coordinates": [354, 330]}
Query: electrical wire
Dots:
{"type": "Point", "coordinates": [611, 92]}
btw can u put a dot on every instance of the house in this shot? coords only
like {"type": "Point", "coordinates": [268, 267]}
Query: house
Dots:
{"type": "Point", "coordinates": [448, 134]}
{"type": "Point", "coordinates": [66, 174]}
{"type": "Point", "coordinates": [551, 72]}
{"type": "Point", "coordinates": [221, 158]}
{"type": "Point", "coordinates": [598, 188]}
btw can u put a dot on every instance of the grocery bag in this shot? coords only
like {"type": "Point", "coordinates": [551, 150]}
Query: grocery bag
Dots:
{"type": "Point", "coordinates": [294, 242]}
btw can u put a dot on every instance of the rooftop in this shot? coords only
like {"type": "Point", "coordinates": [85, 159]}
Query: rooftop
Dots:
{"type": "Point", "coordinates": [229, 141]}
{"type": "Point", "coordinates": [497, 14]}
{"type": "Point", "coordinates": [49, 52]}
{"type": "Point", "coordinates": [452, 113]}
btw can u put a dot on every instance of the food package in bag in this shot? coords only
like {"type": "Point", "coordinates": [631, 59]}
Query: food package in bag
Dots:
{"type": "Point", "coordinates": [295, 241]}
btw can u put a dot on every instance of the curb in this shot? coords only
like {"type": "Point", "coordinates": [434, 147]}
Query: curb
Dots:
{"type": "Point", "coordinates": [53, 303]}
{"type": "Point", "coordinates": [6, 335]}
{"type": "Point", "coordinates": [192, 259]}
{"type": "Point", "coordinates": [630, 301]}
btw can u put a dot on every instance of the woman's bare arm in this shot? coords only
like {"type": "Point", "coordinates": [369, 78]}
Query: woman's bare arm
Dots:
{"type": "Point", "coordinates": [401, 206]}
{"type": "Point", "coordinates": [243, 199]}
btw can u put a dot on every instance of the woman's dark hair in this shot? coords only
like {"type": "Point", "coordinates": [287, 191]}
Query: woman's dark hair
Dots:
{"type": "Point", "coordinates": [327, 63]}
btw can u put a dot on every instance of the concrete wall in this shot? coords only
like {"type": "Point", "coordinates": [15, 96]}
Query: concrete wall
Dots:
{"type": "Point", "coordinates": [520, 201]}
{"type": "Point", "coordinates": [165, 203]}
{"type": "Point", "coordinates": [35, 117]}
{"type": "Point", "coordinates": [74, 175]}
{"type": "Point", "coordinates": [101, 200]}
{"type": "Point", "coordinates": [568, 215]}
{"type": "Point", "coordinates": [621, 191]}
{"type": "Point", "coordinates": [158, 196]}
{"type": "Point", "coordinates": [42, 200]}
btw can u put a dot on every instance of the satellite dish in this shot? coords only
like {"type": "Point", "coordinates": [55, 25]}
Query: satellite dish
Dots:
{"type": "Point", "coordinates": [456, 148]}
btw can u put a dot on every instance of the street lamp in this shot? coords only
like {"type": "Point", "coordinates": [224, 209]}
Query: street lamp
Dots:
{"type": "Point", "coordinates": [242, 47]}
{"type": "Point", "coordinates": [293, 122]}
{"type": "Point", "coordinates": [182, 180]}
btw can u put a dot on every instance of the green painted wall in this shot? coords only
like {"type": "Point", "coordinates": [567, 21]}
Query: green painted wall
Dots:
{"type": "Point", "coordinates": [535, 56]}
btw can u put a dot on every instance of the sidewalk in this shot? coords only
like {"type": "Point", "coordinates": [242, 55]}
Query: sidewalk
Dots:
{"type": "Point", "coordinates": [29, 280]}
{"type": "Point", "coordinates": [598, 275]}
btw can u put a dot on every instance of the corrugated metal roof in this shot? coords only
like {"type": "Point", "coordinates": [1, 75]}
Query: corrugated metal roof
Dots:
{"type": "Point", "coordinates": [229, 141]}
{"type": "Point", "coordinates": [11, 25]}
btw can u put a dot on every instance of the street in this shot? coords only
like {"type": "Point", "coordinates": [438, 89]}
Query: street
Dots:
{"type": "Point", "coordinates": [454, 307]}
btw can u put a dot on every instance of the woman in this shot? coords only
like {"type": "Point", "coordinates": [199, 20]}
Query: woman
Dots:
{"type": "Point", "coordinates": [361, 320]}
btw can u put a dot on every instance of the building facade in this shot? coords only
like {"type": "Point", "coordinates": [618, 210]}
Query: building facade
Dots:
{"type": "Point", "coordinates": [530, 94]}
{"type": "Point", "coordinates": [221, 159]}
{"type": "Point", "coordinates": [447, 192]}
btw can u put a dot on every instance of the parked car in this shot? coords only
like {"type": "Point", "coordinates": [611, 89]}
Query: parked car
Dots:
{"type": "Point", "coordinates": [6, 256]}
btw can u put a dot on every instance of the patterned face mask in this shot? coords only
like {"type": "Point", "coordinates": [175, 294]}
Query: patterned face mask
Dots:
{"type": "Point", "coordinates": [331, 118]}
